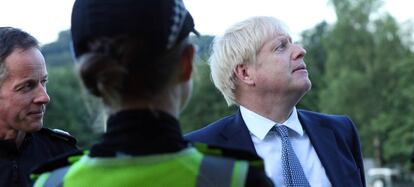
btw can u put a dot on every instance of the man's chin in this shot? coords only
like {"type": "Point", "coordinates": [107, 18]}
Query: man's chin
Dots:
{"type": "Point", "coordinates": [306, 85]}
{"type": "Point", "coordinates": [34, 127]}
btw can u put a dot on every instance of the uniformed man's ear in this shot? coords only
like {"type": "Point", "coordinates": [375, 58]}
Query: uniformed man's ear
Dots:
{"type": "Point", "coordinates": [242, 73]}
{"type": "Point", "coordinates": [186, 61]}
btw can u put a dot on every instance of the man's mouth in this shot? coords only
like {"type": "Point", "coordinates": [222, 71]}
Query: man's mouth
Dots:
{"type": "Point", "coordinates": [38, 113]}
{"type": "Point", "coordinates": [300, 67]}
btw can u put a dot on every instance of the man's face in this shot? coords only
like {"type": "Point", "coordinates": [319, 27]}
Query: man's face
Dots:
{"type": "Point", "coordinates": [280, 68]}
{"type": "Point", "coordinates": [23, 96]}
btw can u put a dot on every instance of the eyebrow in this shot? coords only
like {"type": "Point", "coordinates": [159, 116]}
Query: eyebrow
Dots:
{"type": "Point", "coordinates": [27, 79]}
{"type": "Point", "coordinates": [285, 37]}
{"type": "Point", "coordinates": [280, 39]}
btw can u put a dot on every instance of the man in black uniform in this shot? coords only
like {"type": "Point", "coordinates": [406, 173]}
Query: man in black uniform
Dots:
{"type": "Point", "coordinates": [23, 142]}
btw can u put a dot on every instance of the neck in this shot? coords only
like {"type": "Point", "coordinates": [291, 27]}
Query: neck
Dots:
{"type": "Point", "coordinates": [12, 134]}
{"type": "Point", "coordinates": [275, 108]}
{"type": "Point", "coordinates": [165, 107]}
{"type": "Point", "coordinates": [278, 113]}
{"type": "Point", "coordinates": [20, 138]}
{"type": "Point", "coordinates": [170, 101]}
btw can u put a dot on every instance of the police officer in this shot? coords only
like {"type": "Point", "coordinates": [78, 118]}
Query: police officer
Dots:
{"type": "Point", "coordinates": [23, 142]}
{"type": "Point", "coordinates": [136, 56]}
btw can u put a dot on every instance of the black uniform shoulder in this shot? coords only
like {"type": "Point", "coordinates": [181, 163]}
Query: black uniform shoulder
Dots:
{"type": "Point", "coordinates": [58, 134]}
{"type": "Point", "coordinates": [253, 159]}
{"type": "Point", "coordinates": [58, 162]}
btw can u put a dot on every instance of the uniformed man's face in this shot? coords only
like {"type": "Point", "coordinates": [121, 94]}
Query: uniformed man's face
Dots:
{"type": "Point", "coordinates": [23, 96]}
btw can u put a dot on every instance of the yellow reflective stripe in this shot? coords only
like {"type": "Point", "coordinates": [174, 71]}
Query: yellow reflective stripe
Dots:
{"type": "Point", "coordinates": [40, 182]}
{"type": "Point", "coordinates": [240, 170]}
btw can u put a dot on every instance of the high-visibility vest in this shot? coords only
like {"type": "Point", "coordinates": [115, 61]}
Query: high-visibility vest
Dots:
{"type": "Point", "coordinates": [187, 168]}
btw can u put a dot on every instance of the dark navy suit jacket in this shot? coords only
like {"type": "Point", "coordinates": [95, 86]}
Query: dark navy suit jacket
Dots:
{"type": "Point", "coordinates": [334, 138]}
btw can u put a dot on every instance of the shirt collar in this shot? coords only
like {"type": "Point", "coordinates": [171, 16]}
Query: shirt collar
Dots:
{"type": "Point", "coordinates": [259, 126]}
{"type": "Point", "coordinates": [293, 122]}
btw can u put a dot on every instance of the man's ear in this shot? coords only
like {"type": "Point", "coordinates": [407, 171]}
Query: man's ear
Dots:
{"type": "Point", "coordinates": [242, 73]}
{"type": "Point", "coordinates": [186, 61]}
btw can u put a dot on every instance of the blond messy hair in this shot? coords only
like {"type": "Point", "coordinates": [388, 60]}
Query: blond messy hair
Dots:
{"type": "Point", "coordinates": [239, 45]}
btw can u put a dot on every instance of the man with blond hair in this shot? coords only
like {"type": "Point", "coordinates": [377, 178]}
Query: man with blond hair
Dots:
{"type": "Point", "coordinates": [256, 66]}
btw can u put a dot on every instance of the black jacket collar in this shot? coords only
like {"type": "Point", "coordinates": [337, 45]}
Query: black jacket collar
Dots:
{"type": "Point", "coordinates": [140, 132]}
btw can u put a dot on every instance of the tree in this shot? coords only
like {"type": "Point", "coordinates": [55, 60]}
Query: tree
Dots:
{"type": "Point", "coordinates": [58, 53]}
{"type": "Point", "coordinates": [315, 62]}
{"type": "Point", "coordinates": [363, 67]}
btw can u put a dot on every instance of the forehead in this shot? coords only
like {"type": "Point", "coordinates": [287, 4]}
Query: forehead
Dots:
{"type": "Point", "coordinates": [23, 62]}
{"type": "Point", "coordinates": [277, 31]}
{"type": "Point", "coordinates": [274, 38]}
{"type": "Point", "coordinates": [275, 25]}
{"type": "Point", "coordinates": [273, 30]}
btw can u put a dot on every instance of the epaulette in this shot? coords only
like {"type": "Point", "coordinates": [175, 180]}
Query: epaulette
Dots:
{"type": "Point", "coordinates": [60, 134]}
{"type": "Point", "coordinates": [58, 162]}
{"type": "Point", "coordinates": [253, 159]}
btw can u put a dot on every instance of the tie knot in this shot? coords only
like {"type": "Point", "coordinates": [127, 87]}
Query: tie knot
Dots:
{"type": "Point", "coordinates": [282, 130]}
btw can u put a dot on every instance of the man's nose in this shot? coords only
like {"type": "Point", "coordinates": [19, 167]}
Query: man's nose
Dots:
{"type": "Point", "coordinates": [41, 95]}
{"type": "Point", "coordinates": [299, 52]}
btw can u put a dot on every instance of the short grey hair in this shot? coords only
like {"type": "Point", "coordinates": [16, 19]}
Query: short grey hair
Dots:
{"type": "Point", "coordinates": [239, 45]}
{"type": "Point", "coordinates": [11, 39]}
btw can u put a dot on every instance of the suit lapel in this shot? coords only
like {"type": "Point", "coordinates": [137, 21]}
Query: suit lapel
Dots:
{"type": "Point", "coordinates": [237, 135]}
{"type": "Point", "coordinates": [325, 145]}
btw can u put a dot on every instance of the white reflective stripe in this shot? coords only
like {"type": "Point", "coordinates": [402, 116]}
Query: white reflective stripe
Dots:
{"type": "Point", "coordinates": [55, 178]}
{"type": "Point", "coordinates": [215, 171]}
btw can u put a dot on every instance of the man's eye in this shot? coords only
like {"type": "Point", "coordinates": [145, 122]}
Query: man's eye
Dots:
{"type": "Point", "coordinates": [281, 47]}
{"type": "Point", "coordinates": [44, 82]}
{"type": "Point", "coordinates": [26, 87]}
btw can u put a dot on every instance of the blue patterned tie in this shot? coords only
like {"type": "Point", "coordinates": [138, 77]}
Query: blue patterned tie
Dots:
{"type": "Point", "coordinates": [293, 174]}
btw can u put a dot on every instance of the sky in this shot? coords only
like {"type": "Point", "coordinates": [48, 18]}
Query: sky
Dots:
{"type": "Point", "coordinates": [44, 19]}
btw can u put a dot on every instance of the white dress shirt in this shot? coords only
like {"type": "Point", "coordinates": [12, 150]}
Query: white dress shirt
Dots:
{"type": "Point", "coordinates": [268, 145]}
